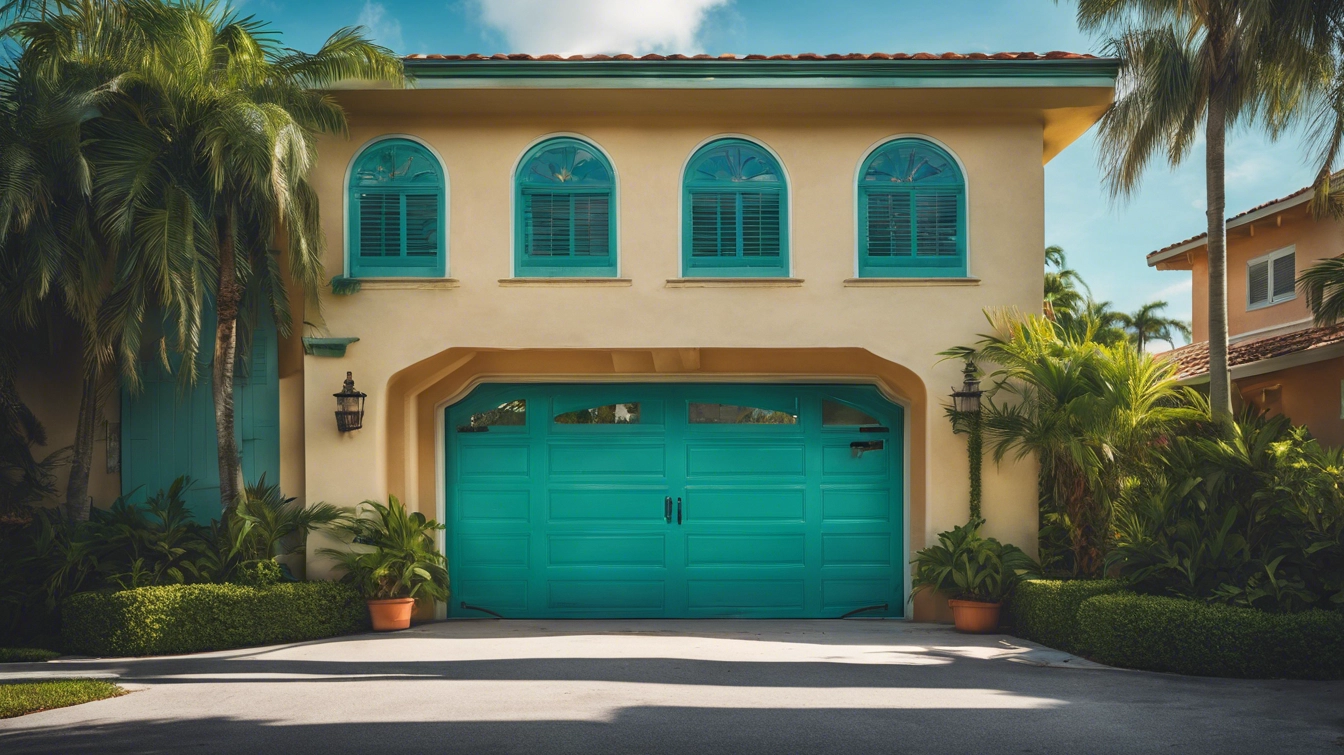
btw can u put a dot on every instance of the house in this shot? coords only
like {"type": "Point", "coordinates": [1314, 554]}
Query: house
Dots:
{"type": "Point", "coordinates": [659, 336]}
{"type": "Point", "coordinates": [1280, 362]}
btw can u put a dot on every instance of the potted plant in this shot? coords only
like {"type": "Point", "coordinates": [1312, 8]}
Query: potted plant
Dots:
{"type": "Point", "coordinates": [391, 560]}
{"type": "Point", "coordinates": [974, 572]}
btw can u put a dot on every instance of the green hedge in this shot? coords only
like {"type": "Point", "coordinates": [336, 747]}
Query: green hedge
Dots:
{"type": "Point", "coordinates": [192, 618]}
{"type": "Point", "coordinates": [1171, 634]}
{"type": "Point", "coordinates": [1045, 610]}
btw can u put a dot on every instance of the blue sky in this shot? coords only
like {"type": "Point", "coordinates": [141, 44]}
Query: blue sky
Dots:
{"type": "Point", "coordinates": [1106, 240]}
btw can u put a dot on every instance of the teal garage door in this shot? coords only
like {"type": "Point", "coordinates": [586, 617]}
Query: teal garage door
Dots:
{"type": "Point", "coordinates": [675, 501]}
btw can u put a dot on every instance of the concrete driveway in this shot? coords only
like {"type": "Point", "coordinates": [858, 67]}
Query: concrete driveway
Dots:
{"type": "Point", "coordinates": [670, 687]}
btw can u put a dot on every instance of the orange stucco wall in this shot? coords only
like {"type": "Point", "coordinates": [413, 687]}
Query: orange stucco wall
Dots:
{"type": "Point", "coordinates": [1309, 394]}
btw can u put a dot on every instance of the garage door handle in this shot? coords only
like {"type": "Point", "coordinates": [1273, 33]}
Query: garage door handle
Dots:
{"type": "Point", "coordinates": [678, 511]}
{"type": "Point", "coordinates": [667, 509]}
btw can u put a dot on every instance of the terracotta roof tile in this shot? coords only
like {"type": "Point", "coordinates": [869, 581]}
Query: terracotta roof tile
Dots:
{"type": "Point", "coordinates": [1052, 55]}
{"type": "Point", "coordinates": [1234, 218]}
{"type": "Point", "coordinates": [1193, 360]}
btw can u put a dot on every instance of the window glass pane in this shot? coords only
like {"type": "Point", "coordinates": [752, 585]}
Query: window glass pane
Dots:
{"type": "Point", "coordinates": [566, 162]}
{"type": "Point", "coordinates": [592, 225]}
{"type": "Point", "coordinates": [912, 161]}
{"type": "Point", "coordinates": [836, 413]}
{"type": "Point", "coordinates": [610, 414]}
{"type": "Point", "coordinates": [1257, 283]}
{"type": "Point", "coordinates": [730, 414]}
{"type": "Point", "coordinates": [936, 225]}
{"type": "Point", "coordinates": [1285, 275]}
{"type": "Point", "coordinates": [422, 225]}
{"type": "Point", "coordinates": [760, 224]}
{"type": "Point", "coordinates": [507, 414]}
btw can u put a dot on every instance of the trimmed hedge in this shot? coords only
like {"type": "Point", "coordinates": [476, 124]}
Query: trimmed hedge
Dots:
{"type": "Point", "coordinates": [192, 618]}
{"type": "Point", "coordinates": [1171, 634]}
{"type": "Point", "coordinates": [1046, 610]}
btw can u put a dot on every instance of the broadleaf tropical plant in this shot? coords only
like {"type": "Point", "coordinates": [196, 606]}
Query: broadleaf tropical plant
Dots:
{"type": "Point", "coordinates": [391, 553]}
{"type": "Point", "coordinates": [966, 566]}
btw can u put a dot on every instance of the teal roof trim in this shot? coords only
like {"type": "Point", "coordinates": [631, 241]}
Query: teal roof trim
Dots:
{"type": "Point", "coordinates": [430, 73]}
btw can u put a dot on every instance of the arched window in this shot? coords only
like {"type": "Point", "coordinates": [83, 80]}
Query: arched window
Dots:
{"type": "Point", "coordinates": [564, 205]}
{"type": "Point", "coordinates": [912, 212]}
{"type": "Point", "coordinates": [734, 212]}
{"type": "Point", "coordinates": [398, 211]}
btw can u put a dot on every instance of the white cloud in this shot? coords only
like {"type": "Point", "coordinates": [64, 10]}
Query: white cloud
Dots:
{"type": "Point", "coordinates": [571, 27]}
{"type": "Point", "coordinates": [1176, 289]}
{"type": "Point", "coordinates": [384, 29]}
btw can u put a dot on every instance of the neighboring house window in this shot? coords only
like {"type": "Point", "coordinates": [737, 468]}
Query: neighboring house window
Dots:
{"type": "Point", "coordinates": [1270, 279]}
{"type": "Point", "coordinates": [912, 212]}
{"type": "Point", "coordinates": [565, 205]}
{"type": "Point", "coordinates": [398, 209]}
{"type": "Point", "coordinates": [734, 212]}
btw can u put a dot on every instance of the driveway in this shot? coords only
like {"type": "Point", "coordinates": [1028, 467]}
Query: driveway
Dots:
{"type": "Point", "coordinates": [702, 687]}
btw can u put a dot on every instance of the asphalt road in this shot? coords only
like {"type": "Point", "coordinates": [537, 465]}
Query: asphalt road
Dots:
{"type": "Point", "coordinates": [704, 687]}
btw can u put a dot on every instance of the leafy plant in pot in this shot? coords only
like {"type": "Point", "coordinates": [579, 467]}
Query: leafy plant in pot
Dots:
{"type": "Point", "coordinates": [391, 560]}
{"type": "Point", "coordinates": [974, 572]}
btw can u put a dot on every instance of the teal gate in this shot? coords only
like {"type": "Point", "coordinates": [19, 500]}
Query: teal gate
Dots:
{"type": "Point", "coordinates": [645, 500]}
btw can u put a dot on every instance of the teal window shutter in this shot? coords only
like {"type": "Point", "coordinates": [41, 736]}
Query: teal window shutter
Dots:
{"type": "Point", "coordinates": [912, 212]}
{"type": "Point", "coordinates": [735, 219]}
{"type": "Point", "coordinates": [398, 211]}
{"type": "Point", "coordinates": [564, 195]}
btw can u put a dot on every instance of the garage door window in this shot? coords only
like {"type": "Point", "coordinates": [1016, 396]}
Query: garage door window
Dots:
{"type": "Point", "coordinates": [730, 414]}
{"type": "Point", "coordinates": [836, 414]}
{"type": "Point", "coordinates": [507, 414]}
{"type": "Point", "coordinates": [609, 414]}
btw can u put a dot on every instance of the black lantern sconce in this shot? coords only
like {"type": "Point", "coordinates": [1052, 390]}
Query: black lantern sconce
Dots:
{"type": "Point", "coordinates": [967, 400]}
{"type": "Point", "coordinates": [349, 406]}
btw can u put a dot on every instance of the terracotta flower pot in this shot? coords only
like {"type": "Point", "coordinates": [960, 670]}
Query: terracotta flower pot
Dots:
{"type": "Point", "coordinates": [393, 613]}
{"type": "Point", "coordinates": [974, 617]}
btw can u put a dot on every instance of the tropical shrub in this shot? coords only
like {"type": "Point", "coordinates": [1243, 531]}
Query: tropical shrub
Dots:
{"type": "Point", "coordinates": [1046, 610]}
{"type": "Point", "coordinates": [391, 553]}
{"type": "Point", "coordinates": [193, 618]}
{"type": "Point", "coordinates": [1249, 516]}
{"type": "Point", "coordinates": [1170, 634]}
{"type": "Point", "coordinates": [965, 566]}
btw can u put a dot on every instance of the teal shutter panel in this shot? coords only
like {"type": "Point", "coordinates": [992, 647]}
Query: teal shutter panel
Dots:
{"type": "Point", "coordinates": [563, 193]}
{"type": "Point", "coordinates": [912, 212]}
{"type": "Point", "coordinates": [735, 222]}
{"type": "Point", "coordinates": [397, 210]}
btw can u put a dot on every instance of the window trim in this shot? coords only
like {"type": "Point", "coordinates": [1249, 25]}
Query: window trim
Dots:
{"type": "Point", "coordinates": [440, 268]}
{"type": "Point", "coordinates": [962, 271]}
{"type": "Point", "coordinates": [784, 269]}
{"type": "Point", "coordinates": [517, 235]}
{"type": "Point", "coordinates": [1270, 257]}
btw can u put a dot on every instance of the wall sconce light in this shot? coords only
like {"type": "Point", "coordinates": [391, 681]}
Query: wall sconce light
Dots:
{"type": "Point", "coordinates": [967, 400]}
{"type": "Point", "coordinates": [349, 406]}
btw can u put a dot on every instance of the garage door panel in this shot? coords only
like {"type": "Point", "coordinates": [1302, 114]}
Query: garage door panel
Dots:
{"type": "Point", "coordinates": [605, 595]}
{"type": "Point", "coordinates": [607, 550]}
{"type": "Point", "coordinates": [498, 594]}
{"type": "Point", "coordinates": [745, 504]}
{"type": "Point", "coordinates": [856, 549]}
{"type": "Point", "coordinates": [482, 460]}
{"type": "Point", "coordinates": [493, 505]}
{"type": "Point", "coordinates": [863, 504]}
{"type": "Point", "coordinates": [745, 550]}
{"type": "Point", "coordinates": [744, 460]}
{"type": "Point", "coordinates": [854, 593]}
{"type": "Point", "coordinates": [493, 550]}
{"type": "Point", "coordinates": [732, 596]}
{"type": "Point", "coordinates": [614, 459]}
{"type": "Point", "coordinates": [610, 504]}
{"type": "Point", "coordinates": [839, 461]}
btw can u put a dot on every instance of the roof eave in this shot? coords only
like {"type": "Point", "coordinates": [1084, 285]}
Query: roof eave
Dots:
{"type": "Point", "coordinates": [739, 74]}
{"type": "Point", "coordinates": [1250, 217]}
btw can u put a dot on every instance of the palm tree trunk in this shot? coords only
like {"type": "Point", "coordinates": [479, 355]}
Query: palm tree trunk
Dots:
{"type": "Point", "coordinates": [81, 460]}
{"type": "Point", "coordinates": [226, 344]}
{"type": "Point", "coordinates": [1220, 385]}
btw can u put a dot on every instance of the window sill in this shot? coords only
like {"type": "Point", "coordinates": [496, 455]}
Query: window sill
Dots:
{"type": "Point", "coordinates": [565, 282]}
{"type": "Point", "coordinates": [908, 282]}
{"type": "Point", "coordinates": [734, 282]}
{"type": "Point", "coordinates": [387, 284]}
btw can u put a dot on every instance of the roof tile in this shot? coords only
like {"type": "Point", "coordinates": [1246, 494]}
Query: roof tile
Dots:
{"type": "Point", "coordinates": [1193, 359]}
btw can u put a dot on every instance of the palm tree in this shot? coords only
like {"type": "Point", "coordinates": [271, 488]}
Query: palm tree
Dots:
{"type": "Point", "coordinates": [1062, 284]}
{"type": "Point", "coordinates": [1087, 412]}
{"type": "Point", "coordinates": [1322, 285]}
{"type": "Point", "coordinates": [1147, 324]}
{"type": "Point", "coordinates": [202, 156]}
{"type": "Point", "coordinates": [1214, 63]}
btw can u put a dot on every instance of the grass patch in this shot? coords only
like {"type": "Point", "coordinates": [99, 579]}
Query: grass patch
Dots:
{"type": "Point", "coordinates": [31, 697]}
{"type": "Point", "coordinates": [26, 655]}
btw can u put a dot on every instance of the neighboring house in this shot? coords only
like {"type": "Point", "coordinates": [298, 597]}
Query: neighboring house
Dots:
{"type": "Point", "coordinates": [1280, 362]}
{"type": "Point", "coordinates": [659, 336]}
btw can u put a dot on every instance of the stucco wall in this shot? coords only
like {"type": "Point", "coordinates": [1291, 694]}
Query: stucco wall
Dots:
{"type": "Point", "coordinates": [417, 341]}
{"type": "Point", "coordinates": [1310, 394]}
